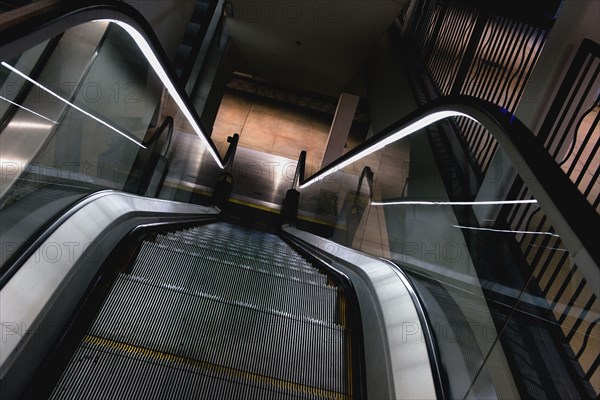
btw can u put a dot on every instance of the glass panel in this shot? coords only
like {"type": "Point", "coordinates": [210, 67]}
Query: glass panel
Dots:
{"type": "Point", "coordinates": [11, 84]}
{"type": "Point", "coordinates": [511, 313]}
{"type": "Point", "coordinates": [82, 123]}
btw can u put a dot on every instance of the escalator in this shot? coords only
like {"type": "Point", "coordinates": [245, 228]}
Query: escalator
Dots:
{"type": "Point", "coordinates": [397, 290]}
{"type": "Point", "coordinates": [215, 311]}
{"type": "Point", "coordinates": [204, 309]}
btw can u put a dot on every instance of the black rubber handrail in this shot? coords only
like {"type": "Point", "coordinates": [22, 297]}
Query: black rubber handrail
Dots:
{"type": "Point", "coordinates": [570, 213]}
{"type": "Point", "coordinates": [231, 150]}
{"type": "Point", "coordinates": [27, 26]}
{"type": "Point", "coordinates": [367, 174]}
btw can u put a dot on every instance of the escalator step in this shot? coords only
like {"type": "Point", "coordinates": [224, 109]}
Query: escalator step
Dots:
{"type": "Point", "coordinates": [214, 312]}
{"type": "Point", "coordinates": [126, 372]}
{"type": "Point", "coordinates": [237, 283]}
{"type": "Point", "coordinates": [221, 333]}
{"type": "Point", "coordinates": [225, 257]}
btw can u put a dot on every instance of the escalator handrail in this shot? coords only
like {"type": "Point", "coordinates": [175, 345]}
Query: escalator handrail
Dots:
{"type": "Point", "coordinates": [382, 290]}
{"type": "Point", "coordinates": [42, 292]}
{"type": "Point", "coordinates": [570, 213]}
{"type": "Point", "coordinates": [27, 26]}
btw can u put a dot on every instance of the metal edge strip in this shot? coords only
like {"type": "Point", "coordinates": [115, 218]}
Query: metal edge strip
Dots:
{"type": "Point", "coordinates": [359, 382]}
{"type": "Point", "coordinates": [407, 365]}
{"type": "Point", "coordinates": [65, 263]}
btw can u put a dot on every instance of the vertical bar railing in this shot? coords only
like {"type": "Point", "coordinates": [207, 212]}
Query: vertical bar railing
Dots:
{"type": "Point", "coordinates": [570, 134]}
{"type": "Point", "coordinates": [569, 297]}
{"type": "Point", "coordinates": [570, 130]}
{"type": "Point", "coordinates": [491, 57]}
{"type": "Point", "coordinates": [479, 53]}
{"type": "Point", "coordinates": [498, 72]}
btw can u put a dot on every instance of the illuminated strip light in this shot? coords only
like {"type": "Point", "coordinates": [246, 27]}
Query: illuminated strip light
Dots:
{"type": "Point", "coordinates": [144, 46]}
{"type": "Point", "coordinates": [401, 134]}
{"type": "Point", "coordinates": [28, 110]}
{"type": "Point", "coordinates": [16, 71]}
{"type": "Point", "coordinates": [452, 203]}
{"type": "Point", "coordinates": [506, 231]}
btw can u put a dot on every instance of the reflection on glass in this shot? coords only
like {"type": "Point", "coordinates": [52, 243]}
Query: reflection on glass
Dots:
{"type": "Point", "coordinates": [79, 113]}
{"type": "Point", "coordinates": [509, 309]}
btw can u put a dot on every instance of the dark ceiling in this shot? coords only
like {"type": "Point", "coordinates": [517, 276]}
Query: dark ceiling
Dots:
{"type": "Point", "coordinates": [314, 45]}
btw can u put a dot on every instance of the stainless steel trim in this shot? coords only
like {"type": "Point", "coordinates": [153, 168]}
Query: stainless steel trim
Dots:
{"type": "Point", "coordinates": [396, 356]}
{"type": "Point", "coordinates": [41, 295]}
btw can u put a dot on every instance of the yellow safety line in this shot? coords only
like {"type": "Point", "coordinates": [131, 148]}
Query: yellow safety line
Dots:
{"type": "Point", "coordinates": [159, 355]}
{"type": "Point", "coordinates": [253, 205]}
{"type": "Point", "coordinates": [187, 189]}
{"type": "Point", "coordinates": [317, 221]}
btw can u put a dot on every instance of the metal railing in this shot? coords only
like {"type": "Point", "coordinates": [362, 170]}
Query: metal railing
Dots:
{"type": "Point", "coordinates": [570, 129]}
{"type": "Point", "coordinates": [567, 278]}
{"type": "Point", "coordinates": [472, 50]}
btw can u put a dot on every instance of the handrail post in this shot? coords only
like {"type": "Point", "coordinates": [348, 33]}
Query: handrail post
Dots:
{"type": "Point", "coordinates": [224, 185]}
{"type": "Point", "coordinates": [299, 174]}
{"type": "Point", "coordinates": [355, 212]}
{"type": "Point", "coordinates": [291, 202]}
{"type": "Point", "coordinates": [230, 155]}
{"type": "Point", "coordinates": [162, 163]}
{"type": "Point", "coordinates": [366, 173]}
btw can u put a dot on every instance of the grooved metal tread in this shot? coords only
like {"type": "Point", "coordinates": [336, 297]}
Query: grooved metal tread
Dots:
{"type": "Point", "coordinates": [241, 284]}
{"type": "Point", "coordinates": [192, 320]}
{"type": "Point", "coordinates": [216, 258]}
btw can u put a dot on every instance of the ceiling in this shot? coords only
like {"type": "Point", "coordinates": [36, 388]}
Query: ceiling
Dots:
{"type": "Point", "coordinates": [315, 45]}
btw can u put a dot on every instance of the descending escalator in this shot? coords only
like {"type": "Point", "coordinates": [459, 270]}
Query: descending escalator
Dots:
{"type": "Point", "coordinates": [422, 298]}
{"type": "Point", "coordinates": [215, 311]}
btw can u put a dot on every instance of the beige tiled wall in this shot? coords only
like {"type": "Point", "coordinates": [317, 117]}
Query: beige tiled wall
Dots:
{"type": "Point", "coordinates": [271, 127]}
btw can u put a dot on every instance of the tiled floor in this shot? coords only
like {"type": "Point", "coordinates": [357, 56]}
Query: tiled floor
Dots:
{"type": "Point", "coordinates": [272, 127]}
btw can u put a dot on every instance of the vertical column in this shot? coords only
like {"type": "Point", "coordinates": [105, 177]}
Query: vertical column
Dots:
{"type": "Point", "coordinates": [340, 127]}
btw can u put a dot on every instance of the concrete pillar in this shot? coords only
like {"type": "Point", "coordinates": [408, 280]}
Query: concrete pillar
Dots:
{"type": "Point", "coordinates": [340, 127]}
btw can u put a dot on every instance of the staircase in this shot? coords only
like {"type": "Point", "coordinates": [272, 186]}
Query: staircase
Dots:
{"type": "Point", "coordinates": [215, 311]}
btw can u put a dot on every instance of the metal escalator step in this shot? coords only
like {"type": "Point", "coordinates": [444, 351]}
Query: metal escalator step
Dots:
{"type": "Point", "coordinates": [214, 312]}
{"type": "Point", "coordinates": [257, 251]}
{"type": "Point", "coordinates": [254, 249]}
{"type": "Point", "coordinates": [221, 333]}
{"type": "Point", "coordinates": [246, 262]}
{"type": "Point", "coordinates": [128, 372]}
{"type": "Point", "coordinates": [163, 253]}
{"type": "Point", "coordinates": [234, 283]}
